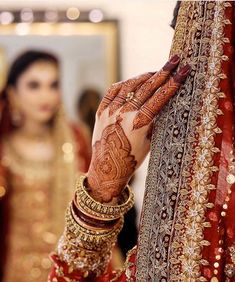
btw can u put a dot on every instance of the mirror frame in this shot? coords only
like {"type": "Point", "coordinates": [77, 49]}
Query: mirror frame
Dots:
{"type": "Point", "coordinates": [109, 29]}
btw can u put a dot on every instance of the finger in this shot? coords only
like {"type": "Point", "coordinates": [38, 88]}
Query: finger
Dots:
{"type": "Point", "coordinates": [128, 87]}
{"type": "Point", "coordinates": [148, 88]}
{"type": "Point", "coordinates": [155, 103]}
{"type": "Point", "coordinates": [108, 98]}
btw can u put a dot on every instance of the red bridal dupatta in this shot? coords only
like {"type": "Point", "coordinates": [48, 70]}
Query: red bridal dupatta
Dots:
{"type": "Point", "coordinates": [187, 230]}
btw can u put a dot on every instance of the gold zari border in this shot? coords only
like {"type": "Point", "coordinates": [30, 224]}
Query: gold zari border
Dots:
{"type": "Point", "coordinates": [181, 163]}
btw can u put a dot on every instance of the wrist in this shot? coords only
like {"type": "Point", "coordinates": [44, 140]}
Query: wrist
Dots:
{"type": "Point", "coordinates": [102, 210]}
{"type": "Point", "coordinates": [91, 230]}
{"type": "Point", "coordinates": [102, 191]}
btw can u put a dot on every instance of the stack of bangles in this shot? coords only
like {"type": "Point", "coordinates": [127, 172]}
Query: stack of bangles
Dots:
{"type": "Point", "coordinates": [91, 230]}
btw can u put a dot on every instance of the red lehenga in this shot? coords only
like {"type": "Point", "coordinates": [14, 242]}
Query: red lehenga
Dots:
{"type": "Point", "coordinates": [33, 198]}
{"type": "Point", "coordinates": [187, 230]}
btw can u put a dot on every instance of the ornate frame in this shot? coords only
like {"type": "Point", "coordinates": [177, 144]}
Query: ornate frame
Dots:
{"type": "Point", "coordinates": [108, 29]}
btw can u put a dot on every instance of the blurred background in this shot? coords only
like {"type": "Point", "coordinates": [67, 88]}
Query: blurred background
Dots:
{"type": "Point", "coordinates": [140, 31]}
{"type": "Point", "coordinates": [97, 42]}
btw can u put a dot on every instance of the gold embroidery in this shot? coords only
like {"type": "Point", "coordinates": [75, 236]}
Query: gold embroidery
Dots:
{"type": "Point", "coordinates": [126, 268]}
{"type": "Point", "coordinates": [29, 213]}
{"type": "Point", "coordinates": [173, 216]}
{"type": "Point", "coordinates": [229, 271]}
{"type": "Point", "coordinates": [197, 50]}
{"type": "Point", "coordinates": [29, 171]}
{"type": "Point", "coordinates": [203, 167]}
{"type": "Point", "coordinates": [32, 213]}
{"type": "Point", "coordinates": [230, 179]}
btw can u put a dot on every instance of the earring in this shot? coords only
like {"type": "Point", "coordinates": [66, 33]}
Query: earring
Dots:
{"type": "Point", "coordinates": [16, 117]}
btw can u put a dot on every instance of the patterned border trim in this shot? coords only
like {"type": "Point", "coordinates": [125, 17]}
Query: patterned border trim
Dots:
{"type": "Point", "coordinates": [163, 255]}
{"type": "Point", "coordinates": [204, 168]}
{"type": "Point", "coordinates": [165, 147]}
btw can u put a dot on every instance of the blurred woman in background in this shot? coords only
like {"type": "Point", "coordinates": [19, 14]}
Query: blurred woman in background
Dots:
{"type": "Point", "coordinates": [40, 155]}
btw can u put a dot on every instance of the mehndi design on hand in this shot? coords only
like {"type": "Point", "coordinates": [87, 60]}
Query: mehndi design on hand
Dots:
{"type": "Point", "coordinates": [112, 164]}
{"type": "Point", "coordinates": [147, 89]}
{"type": "Point", "coordinates": [123, 126]}
{"type": "Point", "coordinates": [155, 103]}
{"type": "Point", "coordinates": [128, 86]}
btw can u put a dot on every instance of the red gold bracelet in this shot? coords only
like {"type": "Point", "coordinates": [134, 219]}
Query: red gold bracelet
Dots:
{"type": "Point", "coordinates": [91, 230]}
{"type": "Point", "coordinates": [101, 211]}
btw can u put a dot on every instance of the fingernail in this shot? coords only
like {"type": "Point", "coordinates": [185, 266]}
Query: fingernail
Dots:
{"type": "Point", "coordinates": [185, 70]}
{"type": "Point", "coordinates": [174, 59]}
{"type": "Point", "coordinates": [181, 75]}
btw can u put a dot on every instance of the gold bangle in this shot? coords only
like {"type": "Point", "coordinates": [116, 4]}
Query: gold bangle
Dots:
{"type": "Point", "coordinates": [77, 242]}
{"type": "Point", "coordinates": [87, 248]}
{"type": "Point", "coordinates": [88, 226]}
{"type": "Point", "coordinates": [92, 236]}
{"type": "Point", "coordinates": [99, 210]}
{"type": "Point", "coordinates": [90, 220]}
{"type": "Point", "coordinates": [95, 216]}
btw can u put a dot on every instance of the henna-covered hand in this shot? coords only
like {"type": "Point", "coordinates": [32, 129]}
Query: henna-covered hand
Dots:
{"type": "Point", "coordinates": [124, 120]}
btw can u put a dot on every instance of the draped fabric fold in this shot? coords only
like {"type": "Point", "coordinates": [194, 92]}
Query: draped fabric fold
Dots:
{"type": "Point", "coordinates": [187, 230]}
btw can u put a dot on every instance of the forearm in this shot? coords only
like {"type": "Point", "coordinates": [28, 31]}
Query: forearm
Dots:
{"type": "Point", "coordinates": [91, 232]}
